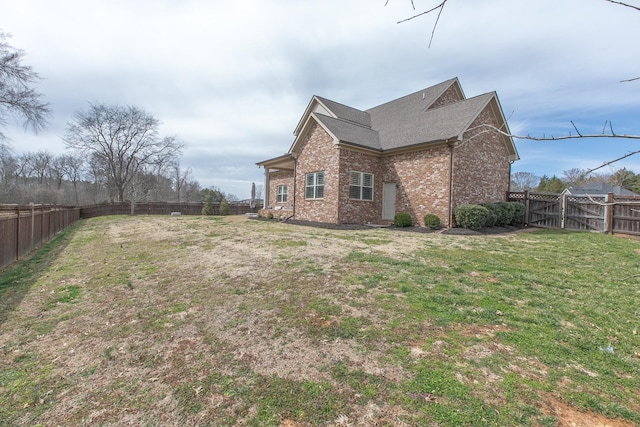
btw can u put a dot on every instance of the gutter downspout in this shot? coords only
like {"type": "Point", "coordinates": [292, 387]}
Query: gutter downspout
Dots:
{"type": "Point", "coordinates": [295, 179]}
{"type": "Point", "coordinates": [509, 181]}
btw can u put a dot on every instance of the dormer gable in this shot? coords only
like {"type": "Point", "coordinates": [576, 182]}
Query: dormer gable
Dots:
{"type": "Point", "coordinates": [453, 93]}
{"type": "Point", "coordinates": [326, 107]}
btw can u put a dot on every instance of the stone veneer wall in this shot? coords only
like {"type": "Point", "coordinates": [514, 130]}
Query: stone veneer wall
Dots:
{"type": "Point", "coordinates": [317, 153]}
{"type": "Point", "coordinates": [424, 182]}
{"type": "Point", "coordinates": [359, 211]}
{"type": "Point", "coordinates": [481, 164]}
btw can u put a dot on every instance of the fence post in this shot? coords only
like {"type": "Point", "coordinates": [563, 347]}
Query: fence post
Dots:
{"type": "Point", "coordinates": [526, 207]}
{"type": "Point", "coordinates": [33, 224]}
{"type": "Point", "coordinates": [608, 213]}
{"type": "Point", "coordinates": [18, 233]}
{"type": "Point", "coordinates": [562, 210]}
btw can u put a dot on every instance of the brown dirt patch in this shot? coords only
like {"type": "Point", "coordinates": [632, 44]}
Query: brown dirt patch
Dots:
{"type": "Point", "coordinates": [569, 416]}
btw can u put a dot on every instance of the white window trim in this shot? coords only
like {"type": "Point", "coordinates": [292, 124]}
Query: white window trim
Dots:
{"type": "Point", "coordinates": [314, 185]}
{"type": "Point", "coordinates": [360, 184]}
{"type": "Point", "coordinates": [281, 196]}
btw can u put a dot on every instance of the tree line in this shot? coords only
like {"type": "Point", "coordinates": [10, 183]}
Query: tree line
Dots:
{"type": "Point", "coordinates": [76, 179]}
{"type": "Point", "coordinates": [115, 152]}
{"type": "Point", "coordinates": [575, 177]}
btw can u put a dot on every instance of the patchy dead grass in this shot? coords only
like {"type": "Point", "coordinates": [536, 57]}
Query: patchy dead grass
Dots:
{"type": "Point", "coordinates": [229, 321]}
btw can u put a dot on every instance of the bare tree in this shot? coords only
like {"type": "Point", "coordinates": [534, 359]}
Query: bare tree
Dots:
{"type": "Point", "coordinates": [41, 162]}
{"type": "Point", "coordinates": [8, 166]}
{"type": "Point", "coordinates": [18, 99]}
{"type": "Point", "coordinates": [191, 190]}
{"type": "Point", "coordinates": [97, 170]}
{"type": "Point", "coordinates": [124, 139]}
{"type": "Point", "coordinates": [521, 181]}
{"type": "Point", "coordinates": [623, 178]}
{"type": "Point", "coordinates": [574, 177]}
{"type": "Point", "coordinates": [180, 180]}
{"type": "Point", "coordinates": [73, 165]}
{"type": "Point", "coordinates": [161, 165]}
{"type": "Point", "coordinates": [57, 171]}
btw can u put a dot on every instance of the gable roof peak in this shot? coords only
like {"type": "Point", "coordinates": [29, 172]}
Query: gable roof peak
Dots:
{"type": "Point", "coordinates": [425, 97]}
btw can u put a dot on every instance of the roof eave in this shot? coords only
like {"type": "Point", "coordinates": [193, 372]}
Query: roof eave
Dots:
{"type": "Point", "coordinates": [285, 161]}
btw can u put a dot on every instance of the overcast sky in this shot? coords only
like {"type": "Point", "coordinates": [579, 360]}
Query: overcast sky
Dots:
{"type": "Point", "coordinates": [231, 79]}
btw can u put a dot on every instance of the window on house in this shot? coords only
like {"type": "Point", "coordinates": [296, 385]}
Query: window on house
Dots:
{"type": "Point", "coordinates": [281, 194]}
{"type": "Point", "coordinates": [361, 186]}
{"type": "Point", "coordinates": [314, 188]}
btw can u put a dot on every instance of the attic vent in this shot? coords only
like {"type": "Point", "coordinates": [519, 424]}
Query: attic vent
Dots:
{"type": "Point", "coordinates": [423, 96]}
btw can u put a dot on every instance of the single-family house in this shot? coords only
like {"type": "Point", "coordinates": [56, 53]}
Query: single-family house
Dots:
{"type": "Point", "coordinates": [598, 189]}
{"type": "Point", "coordinates": [426, 152]}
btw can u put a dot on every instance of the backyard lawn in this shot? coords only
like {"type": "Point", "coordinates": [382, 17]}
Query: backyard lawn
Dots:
{"type": "Point", "coordinates": [227, 321]}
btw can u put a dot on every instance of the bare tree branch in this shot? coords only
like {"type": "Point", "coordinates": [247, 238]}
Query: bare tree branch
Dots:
{"type": "Point", "coordinates": [588, 171]}
{"type": "Point", "coordinates": [624, 4]}
{"type": "Point", "coordinates": [611, 134]}
{"type": "Point", "coordinates": [440, 6]}
{"type": "Point", "coordinates": [17, 96]}
{"type": "Point", "coordinates": [433, 31]}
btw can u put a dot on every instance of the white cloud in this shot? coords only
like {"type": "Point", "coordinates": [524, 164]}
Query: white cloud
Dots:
{"type": "Point", "coordinates": [231, 79]}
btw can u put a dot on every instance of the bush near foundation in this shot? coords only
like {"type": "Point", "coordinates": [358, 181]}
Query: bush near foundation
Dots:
{"type": "Point", "coordinates": [431, 221]}
{"type": "Point", "coordinates": [471, 216]}
{"type": "Point", "coordinates": [518, 215]}
{"type": "Point", "coordinates": [402, 219]}
{"type": "Point", "coordinates": [492, 217]}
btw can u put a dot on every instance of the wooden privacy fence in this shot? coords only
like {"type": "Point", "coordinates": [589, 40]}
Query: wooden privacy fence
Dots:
{"type": "Point", "coordinates": [162, 208]}
{"type": "Point", "coordinates": [23, 228]}
{"type": "Point", "coordinates": [603, 213]}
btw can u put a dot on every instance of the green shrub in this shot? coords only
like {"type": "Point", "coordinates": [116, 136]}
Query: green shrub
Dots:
{"type": "Point", "coordinates": [224, 207]}
{"type": "Point", "coordinates": [402, 219]}
{"type": "Point", "coordinates": [518, 213]}
{"type": "Point", "coordinates": [492, 217]}
{"type": "Point", "coordinates": [207, 207]}
{"type": "Point", "coordinates": [431, 221]}
{"type": "Point", "coordinates": [505, 213]}
{"type": "Point", "coordinates": [471, 216]}
{"type": "Point", "coordinates": [270, 215]}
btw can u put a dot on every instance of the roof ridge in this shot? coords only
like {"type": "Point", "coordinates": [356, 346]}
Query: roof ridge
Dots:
{"type": "Point", "coordinates": [446, 84]}
{"type": "Point", "coordinates": [458, 102]}
{"type": "Point", "coordinates": [340, 119]}
{"type": "Point", "coordinates": [339, 103]}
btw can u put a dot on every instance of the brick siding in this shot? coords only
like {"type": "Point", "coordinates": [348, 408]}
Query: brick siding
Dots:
{"type": "Point", "coordinates": [423, 177]}
{"type": "Point", "coordinates": [480, 174]}
{"type": "Point", "coordinates": [449, 96]}
{"type": "Point", "coordinates": [280, 178]}
{"type": "Point", "coordinates": [359, 211]}
{"type": "Point", "coordinates": [316, 153]}
{"type": "Point", "coordinates": [481, 166]}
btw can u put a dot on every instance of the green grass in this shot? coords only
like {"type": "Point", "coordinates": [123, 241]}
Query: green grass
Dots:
{"type": "Point", "coordinates": [318, 327]}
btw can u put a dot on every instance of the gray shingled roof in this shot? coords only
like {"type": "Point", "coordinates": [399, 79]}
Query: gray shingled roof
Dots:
{"type": "Point", "coordinates": [345, 112]}
{"type": "Point", "coordinates": [599, 188]}
{"type": "Point", "coordinates": [351, 133]}
{"type": "Point", "coordinates": [406, 125]}
{"type": "Point", "coordinates": [404, 122]}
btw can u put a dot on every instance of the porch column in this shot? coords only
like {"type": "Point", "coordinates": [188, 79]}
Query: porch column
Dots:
{"type": "Point", "coordinates": [265, 201]}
